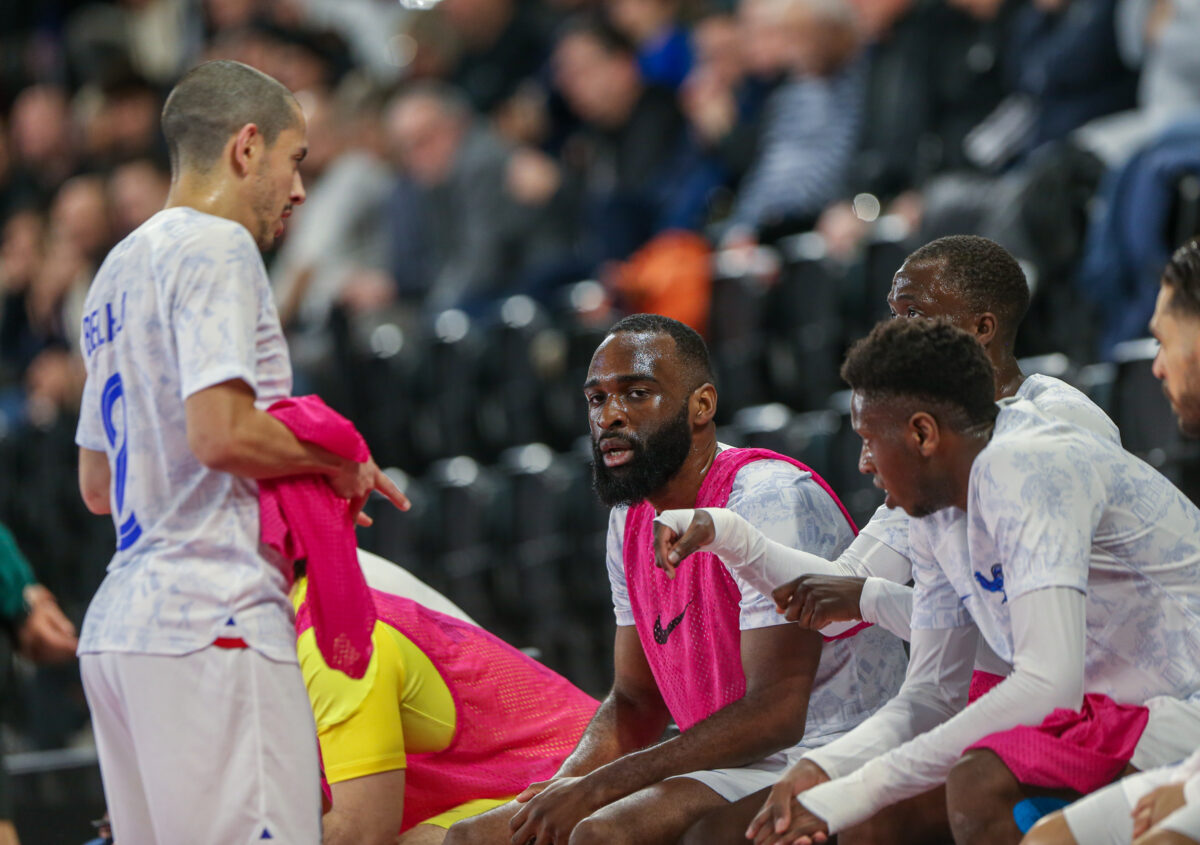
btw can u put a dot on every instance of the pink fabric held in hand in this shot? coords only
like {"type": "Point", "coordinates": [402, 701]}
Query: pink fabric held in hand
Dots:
{"type": "Point", "coordinates": [302, 517]}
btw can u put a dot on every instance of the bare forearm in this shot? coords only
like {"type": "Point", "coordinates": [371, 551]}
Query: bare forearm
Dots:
{"type": "Point", "coordinates": [256, 445]}
{"type": "Point", "coordinates": [619, 727]}
{"type": "Point", "coordinates": [745, 731]}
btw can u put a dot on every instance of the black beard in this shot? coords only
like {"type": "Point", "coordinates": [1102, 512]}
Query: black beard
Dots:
{"type": "Point", "coordinates": [656, 460]}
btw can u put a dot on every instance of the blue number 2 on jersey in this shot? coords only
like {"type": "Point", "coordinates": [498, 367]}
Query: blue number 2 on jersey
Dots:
{"type": "Point", "coordinates": [129, 530]}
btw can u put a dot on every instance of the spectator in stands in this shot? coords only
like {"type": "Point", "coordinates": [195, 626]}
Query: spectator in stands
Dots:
{"type": "Point", "coordinates": [1064, 57]}
{"type": "Point", "coordinates": [337, 251]}
{"type": "Point", "coordinates": [811, 123]}
{"type": "Point", "coordinates": [927, 87]}
{"type": "Point", "coordinates": [740, 60]}
{"type": "Point", "coordinates": [22, 248]}
{"type": "Point", "coordinates": [42, 147]}
{"type": "Point", "coordinates": [1161, 806]}
{"type": "Point", "coordinates": [502, 45]}
{"type": "Point", "coordinates": [80, 216]}
{"type": "Point", "coordinates": [137, 190]}
{"type": "Point", "coordinates": [1091, 691]}
{"type": "Point", "coordinates": [473, 213]}
{"type": "Point", "coordinates": [703, 649]}
{"type": "Point", "coordinates": [664, 50]}
{"type": "Point", "coordinates": [1156, 36]}
{"type": "Point", "coordinates": [30, 615]}
{"type": "Point", "coordinates": [633, 159]}
{"type": "Point", "coordinates": [122, 124]}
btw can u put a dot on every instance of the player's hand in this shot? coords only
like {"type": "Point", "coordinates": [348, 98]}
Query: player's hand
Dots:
{"type": "Point", "coordinates": [47, 635]}
{"type": "Point", "coordinates": [550, 815]}
{"type": "Point", "coordinates": [1156, 806]}
{"type": "Point", "coordinates": [1159, 836]}
{"type": "Point", "coordinates": [678, 533]}
{"type": "Point", "coordinates": [783, 820]}
{"type": "Point", "coordinates": [815, 601]}
{"type": "Point", "coordinates": [356, 482]}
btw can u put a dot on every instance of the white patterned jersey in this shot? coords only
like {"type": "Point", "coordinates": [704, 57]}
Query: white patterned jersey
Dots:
{"type": "Point", "coordinates": [1054, 505]}
{"type": "Point", "coordinates": [181, 304]}
{"type": "Point", "coordinates": [1053, 397]}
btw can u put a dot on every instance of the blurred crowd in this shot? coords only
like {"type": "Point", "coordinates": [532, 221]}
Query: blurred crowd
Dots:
{"type": "Point", "coordinates": [493, 147]}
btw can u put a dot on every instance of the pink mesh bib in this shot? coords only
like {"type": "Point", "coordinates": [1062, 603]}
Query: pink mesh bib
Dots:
{"type": "Point", "coordinates": [516, 720]}
{"type": "Point", "coordinates": [688, 625]}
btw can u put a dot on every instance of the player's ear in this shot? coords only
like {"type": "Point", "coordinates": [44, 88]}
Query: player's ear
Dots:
{"type": "Point", "coordinates": [246, 147]}
{"type": "Point", "coordinates": [702, 404]}
{"type": "Point", "coordinates": [986, 327]}
{"type": "Point", "coordinates": [924, 434]}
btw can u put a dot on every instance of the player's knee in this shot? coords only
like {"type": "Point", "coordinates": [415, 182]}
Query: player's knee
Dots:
{"type": "Point", "coordinates": [869, 833]}
{"type": "Point", "coordinates": [978, 789]}
{"type": "Point", "coordinates": [466, 832]}
{"type": "Point", "coordinates": [1050, 830]}
{"type": "Point", "coordinates": [602, 831]}
{"type": "Point", "coordinates": [711, 829]}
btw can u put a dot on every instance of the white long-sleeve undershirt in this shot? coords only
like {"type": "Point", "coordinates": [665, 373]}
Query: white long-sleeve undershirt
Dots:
{"type": "Point", "coordinates": [1048, 632]}
{"type": "Point", "coordinates": [889, 605]}
{"type": "Point", "coordinates": [766, 564]}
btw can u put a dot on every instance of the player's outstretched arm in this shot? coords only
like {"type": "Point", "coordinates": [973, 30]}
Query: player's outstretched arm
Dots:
{"type": "Point", "coordinates": [226, 432]}
{"type": "Point", "coordinates": [741, 546]}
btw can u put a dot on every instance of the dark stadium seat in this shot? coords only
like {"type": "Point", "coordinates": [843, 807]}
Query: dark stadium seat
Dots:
{"type": "Point", "coordinates": [803, 328]}
{"type": "Point", "coordinates": [444, 399]}
{"type": "Point", "coordinates": [511, 377]}
{"type": "Point", "coordinates": [736, 340]}
{"type": "Point", "coordinates": [462, 530]}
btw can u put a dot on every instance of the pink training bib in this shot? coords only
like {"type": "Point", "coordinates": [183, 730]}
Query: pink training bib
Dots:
{"type": "Point", "coordinates": [688, 625]}
{"type": "Point", "coordinates": [515, 720]}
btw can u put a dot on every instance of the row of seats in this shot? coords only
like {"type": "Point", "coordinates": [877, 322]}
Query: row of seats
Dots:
{"type": "Point", "coordinates": [426, 389]}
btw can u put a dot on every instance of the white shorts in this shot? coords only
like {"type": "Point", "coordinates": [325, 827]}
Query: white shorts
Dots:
{"type": "Point", "coordinates": [217, 747]}
{"type": "Point", "coordinates": [736, 784]}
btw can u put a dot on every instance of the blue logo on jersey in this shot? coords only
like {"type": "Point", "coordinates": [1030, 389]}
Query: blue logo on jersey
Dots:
{"type": "Point", "coordinates": [996, 584]}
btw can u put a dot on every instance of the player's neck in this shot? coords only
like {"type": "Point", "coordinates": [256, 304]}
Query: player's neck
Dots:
{"type": "Point", "coordinates": [683, 488]}
{"type": "Point", "coordinates": [971, 443]}
{"type": "Point", "coordinates": [211, 195]}
{"type": "Point", "coordinates": [1009, 377]}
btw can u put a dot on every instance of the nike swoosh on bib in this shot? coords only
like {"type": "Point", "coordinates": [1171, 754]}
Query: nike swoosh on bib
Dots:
{"type": "Point", "coordinates": [661, 634]}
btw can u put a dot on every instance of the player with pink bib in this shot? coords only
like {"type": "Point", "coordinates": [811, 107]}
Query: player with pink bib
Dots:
{"type": "Point", "coordinates": [705, 650]}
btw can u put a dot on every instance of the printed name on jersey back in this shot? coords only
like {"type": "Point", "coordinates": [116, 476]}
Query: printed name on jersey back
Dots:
{"type": "Point", "coordinates": [102, 325]}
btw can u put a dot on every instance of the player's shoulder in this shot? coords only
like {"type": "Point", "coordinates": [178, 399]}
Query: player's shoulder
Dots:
{"type": "Point", "coordinates": [183, 234]}
{"type": "Point", "coordinates": [1031, 450]}
{"type": "Point", "coordinates": [1064, 402]}
{"type": "Point", "coordinates": [769, 490]}
{"type": "Point", "coordinates": [767, 470]}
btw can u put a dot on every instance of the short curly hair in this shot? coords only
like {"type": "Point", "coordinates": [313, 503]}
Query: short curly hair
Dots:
{"type": "Point", "coordinates": [1182, 277]}
{"type": "Point", "coordinates": [984, 273]}
{"type": "Point", "coordinates": [930, 360]}
{"type": "Point", "coordinates": [693, 351]}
